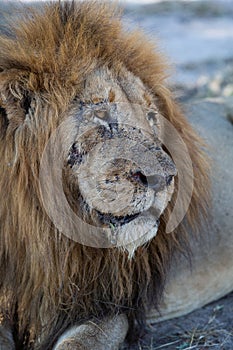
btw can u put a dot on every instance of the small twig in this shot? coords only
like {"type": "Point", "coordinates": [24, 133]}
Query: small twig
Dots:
{"type": "Point", "coordinates": [168, 344]}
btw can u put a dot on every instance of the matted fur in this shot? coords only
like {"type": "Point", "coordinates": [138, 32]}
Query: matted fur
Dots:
{"type": "Point", "coordinates": [44, 275]}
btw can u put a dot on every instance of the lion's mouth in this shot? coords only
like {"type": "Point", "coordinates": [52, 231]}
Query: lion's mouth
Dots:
{"type": "Point", "coordinates": [115, 221]}
{"type": "Point", "coordinates": [107, 219]}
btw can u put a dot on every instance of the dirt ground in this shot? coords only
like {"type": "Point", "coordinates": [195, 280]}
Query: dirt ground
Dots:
{"type": "Point", "coordinates": [210, 327]}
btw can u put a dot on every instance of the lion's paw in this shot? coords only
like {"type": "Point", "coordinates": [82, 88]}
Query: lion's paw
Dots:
{"type": "Point", "coordinates": [107, 335]}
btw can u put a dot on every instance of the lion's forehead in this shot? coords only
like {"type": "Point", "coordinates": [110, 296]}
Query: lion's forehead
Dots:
{"type": "Point", "coordinates": [110, 97]}
{"type": "Point", "coordinates": [124, 84]}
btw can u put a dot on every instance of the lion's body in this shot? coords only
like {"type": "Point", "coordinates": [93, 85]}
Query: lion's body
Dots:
{"type": "Point", "coordinates": [210, 277]}
{"type": "Point", "coordinates": [49, 282]}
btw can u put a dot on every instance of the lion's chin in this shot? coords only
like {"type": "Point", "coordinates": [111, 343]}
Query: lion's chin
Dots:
{"type": "Point", "coordinates": [135, 233]}
{"type": "Point", "coordinates": [144, 227]}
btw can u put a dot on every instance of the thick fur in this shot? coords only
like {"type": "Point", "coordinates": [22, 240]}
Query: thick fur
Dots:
{"type": "Point", "coordinates": [49, 282]}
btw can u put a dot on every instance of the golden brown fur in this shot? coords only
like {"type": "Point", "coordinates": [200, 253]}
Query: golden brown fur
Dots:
{"type": "Point", "coordinates": [45, 59]}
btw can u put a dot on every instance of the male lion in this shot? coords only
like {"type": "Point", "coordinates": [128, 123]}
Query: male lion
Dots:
{"type": "Point", "coordinates": [88, 179]}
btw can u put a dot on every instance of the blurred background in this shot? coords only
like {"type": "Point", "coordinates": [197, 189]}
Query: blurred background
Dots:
{"type": "Point", "coordinates": [196, 36]}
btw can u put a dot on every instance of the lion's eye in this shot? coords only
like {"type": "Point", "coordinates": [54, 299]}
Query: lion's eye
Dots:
{"type": "Point", "coordinates": [101, 114]}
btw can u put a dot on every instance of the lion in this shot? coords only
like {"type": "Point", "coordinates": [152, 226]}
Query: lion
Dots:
{"type": "Point", "coordinates": [89, 179]}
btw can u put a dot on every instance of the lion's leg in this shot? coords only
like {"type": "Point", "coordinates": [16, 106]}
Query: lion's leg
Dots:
{"type": "Point", "coordinates": [107, 335]}
{"type": "Point", "coordinates": [6, 339]}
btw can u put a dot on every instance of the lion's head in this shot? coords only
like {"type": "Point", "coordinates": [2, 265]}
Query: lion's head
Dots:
{"type": "Point", "coordinates": [86, 176]}
{"type": "Point", "coordinates": [117, 176]}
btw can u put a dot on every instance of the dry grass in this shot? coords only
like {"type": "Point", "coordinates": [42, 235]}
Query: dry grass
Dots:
{"type": "Point", "coordinates": [208, 328]}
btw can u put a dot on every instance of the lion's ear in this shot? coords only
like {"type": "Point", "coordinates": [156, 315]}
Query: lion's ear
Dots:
{"type": "Point", "coordinates": [15, 105]}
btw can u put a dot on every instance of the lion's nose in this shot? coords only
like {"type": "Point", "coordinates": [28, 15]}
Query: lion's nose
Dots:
{"type": "Point", "coordinates": [156, 182]}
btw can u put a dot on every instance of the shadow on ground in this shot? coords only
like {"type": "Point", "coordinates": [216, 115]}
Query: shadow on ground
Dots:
{"type": "Point", "coordinates": [210, 327]}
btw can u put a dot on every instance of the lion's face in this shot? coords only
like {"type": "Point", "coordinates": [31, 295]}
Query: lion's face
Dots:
{"type": "Point", "coordinates": [123, 177]}
{"type": "Point", "coordinates": [116, 177]}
